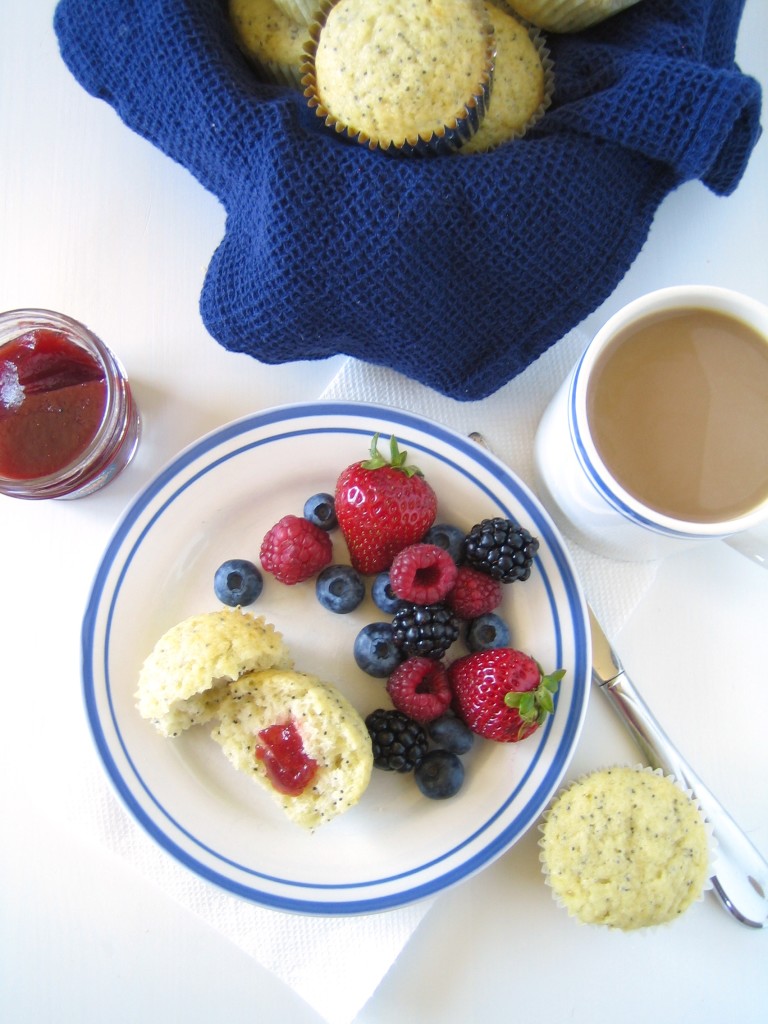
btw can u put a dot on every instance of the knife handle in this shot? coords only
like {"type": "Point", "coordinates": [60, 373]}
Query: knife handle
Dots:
{"type": "Point", "coordinates": [740, 878]}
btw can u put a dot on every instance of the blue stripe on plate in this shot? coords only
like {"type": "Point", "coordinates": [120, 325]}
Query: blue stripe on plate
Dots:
{"type": "Point", "coordinates": [402, 888]}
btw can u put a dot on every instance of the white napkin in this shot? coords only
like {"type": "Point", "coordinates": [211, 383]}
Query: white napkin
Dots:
{"type": "Point", "coordinates": [336, 963]}
{"type": "Point", "coordinates": [508, 420]}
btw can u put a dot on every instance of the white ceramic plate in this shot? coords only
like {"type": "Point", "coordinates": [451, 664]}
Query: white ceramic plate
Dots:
{"type": "Point", "coordinates": [215, 501]}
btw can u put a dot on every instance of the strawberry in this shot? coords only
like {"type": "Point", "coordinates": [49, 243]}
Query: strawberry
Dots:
{"type": "Point", "coordinates": [502, 694]}
{"type": "Point", "coordinates": [382, 507]}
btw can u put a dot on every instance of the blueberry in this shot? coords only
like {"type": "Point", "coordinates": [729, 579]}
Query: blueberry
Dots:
{"type": "Point", "coordinates": [237, 582]}
{"type": "Point", "coordinates": [451, 734]}
{"type": "Point", "coordinates": [448, 537]}
{"type": "Point", "coordinates": [486, 632]}
{"type": "Point", "coordinates": [439, 774]}
{"type": "Point", "coordinates": [340, 588]}
{"type": "Point", "coordinates": [320, 509]}
{"type": "Point", "coordinates": [381, 592]}
{"type": "Point", "coordinates": [375, 650]}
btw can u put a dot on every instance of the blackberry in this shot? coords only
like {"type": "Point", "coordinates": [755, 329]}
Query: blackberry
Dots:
{"type": "Point", "coordinates": [502, 549]}
{"type": "Point", "coordinates": [424, 630]}
{"type": "Point", "coordinates": [399, 743]}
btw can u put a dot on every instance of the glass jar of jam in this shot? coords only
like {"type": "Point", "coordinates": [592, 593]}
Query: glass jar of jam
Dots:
{"type": "Point", "coordinates": [68, 422]}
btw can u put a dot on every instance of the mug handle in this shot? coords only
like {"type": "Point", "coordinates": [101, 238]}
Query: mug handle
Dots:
{"type": "Point", "coordinates": [751, 543]}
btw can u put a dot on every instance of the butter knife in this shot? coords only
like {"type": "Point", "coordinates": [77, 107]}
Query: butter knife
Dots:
{"type": "Point", "coordinates": [741, 873]}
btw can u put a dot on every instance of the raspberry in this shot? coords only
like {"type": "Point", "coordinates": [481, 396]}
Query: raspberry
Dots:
{"type": "Point", "coordinates": [399, 743]}
{"type": "Point", "coordinates": [502, 549]}
{"type": "Point", "coordinates": [426, 630]}
{"type": "Point", "coordinates": [474, 593]}
{"type": "Point", "coordinates": [419, 687]}
{"type": "Point", "coordinates": [422, 573]}
{"type": "Point", "coordinates": [295, 549]}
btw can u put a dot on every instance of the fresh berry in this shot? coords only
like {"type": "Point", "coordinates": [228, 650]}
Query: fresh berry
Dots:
{"type": "Point", "coordinates": [399, 743]}
{"type": "Point", "coordinates": [502, 694]}
{"type": "Point", "coordinates": [486, 632]}
{"type": "Point", "coordinates": [375, 650]}
{"type": "Point", "coordinates": [439, 775]}
{"type": "Point", "coordinates": [419, 687]}
{"type": "Point", "coordinates": [295, 549]}
{"type": "Point", "coordinates": [383, 596]}
{"type": "Point", "coordinates": [340, 588]}
{"type": "Point", "coordinates": [450, 733]}
{"type": "Point", "coordinates": [426, 630]}
{"type": "Point", "coordinates": [237, 582]}
{"type": "Point", "coordinates": [502, 549]}
{"type": "Point", "coordinates": [382, 507]}
{"type": "Point", "coordinates": [449, 537]}
{"type": "Point", "coordinates": [320, 510]}
{"type": "Point", "coordinates": [422, 573]}
{"type": "Point", "coordinates": [474, 593]}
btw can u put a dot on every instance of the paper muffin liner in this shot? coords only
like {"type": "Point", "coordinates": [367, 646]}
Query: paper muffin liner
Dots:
{"type": "Point", "coordinates": [539, 41]}
{"type": "Point", "coordinates": [461, 126]}
{"type": "Point", "coordinates": [277, 73]}
{"type": "Point", "coordinates": [650, 926]}
{"type": "Point", "coordinates": [301, 11]}
{"type": "Point", "coordinates": [568, 15]}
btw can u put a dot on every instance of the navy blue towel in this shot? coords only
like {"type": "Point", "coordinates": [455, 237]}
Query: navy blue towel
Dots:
{"type": "Point", "coordinates": [455, 270]}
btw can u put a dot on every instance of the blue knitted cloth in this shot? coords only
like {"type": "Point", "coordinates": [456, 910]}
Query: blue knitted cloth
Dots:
{"type": "Point", "coordinates": [457, 271]}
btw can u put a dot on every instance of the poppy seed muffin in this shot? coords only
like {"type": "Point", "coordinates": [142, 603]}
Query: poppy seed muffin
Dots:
{"type": "Point", "coordinates": [272, 41]}
{"type": "Point", "coordinates": [568, 15]}
{"type": "Point", "coordinates": [325, 726]}
{"type": "Point", "coordinates": [626, 848]}
{"type": "Point", "coordinates": [522, 81]}
{"type": "Point", "coordinates": [401, 75]}
{"type": "Point", "coordinates": [184, 677]}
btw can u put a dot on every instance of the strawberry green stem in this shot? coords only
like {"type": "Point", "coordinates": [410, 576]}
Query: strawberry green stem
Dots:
{"type": "Point", "coordinates": [397, 459]}
{"type": "Point", "coordinates": [534, 706]}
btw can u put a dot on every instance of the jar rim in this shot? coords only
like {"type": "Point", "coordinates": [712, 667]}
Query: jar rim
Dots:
{"type": "Point", "coordinates": [115, 420]}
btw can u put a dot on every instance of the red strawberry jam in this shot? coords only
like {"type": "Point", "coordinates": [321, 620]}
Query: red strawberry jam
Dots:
{"type": "Point", "coordinates": [68, 421]}
{"type": "Point", "coordinates": [289, 767]}
{"type": "Point", "coordinates": [52, 400]}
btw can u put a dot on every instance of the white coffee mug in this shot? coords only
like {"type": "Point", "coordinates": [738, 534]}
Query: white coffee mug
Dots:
{"type": "Point", "coordinates": [590, 435]}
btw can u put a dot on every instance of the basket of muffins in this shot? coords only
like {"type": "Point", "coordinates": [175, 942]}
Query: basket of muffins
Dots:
{"type": "Point", "coordinates": [444, 188]}
{"type": "Point", "coordinates": [415, 77]}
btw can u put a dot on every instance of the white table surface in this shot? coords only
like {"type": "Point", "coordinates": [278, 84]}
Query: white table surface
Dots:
{"type": "Point", "coordinates": [98, 224]}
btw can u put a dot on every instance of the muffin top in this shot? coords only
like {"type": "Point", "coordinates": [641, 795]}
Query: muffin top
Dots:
{"type": "Point", "coordinates": [399, 70]}
{"type": "Point", "coordinates": [187, 671]}
{"type": "Point", "coordinates": [625, 847]}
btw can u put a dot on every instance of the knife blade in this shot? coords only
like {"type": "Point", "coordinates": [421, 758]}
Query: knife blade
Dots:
{"type": "Point", "coordinates": [740, 879]}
